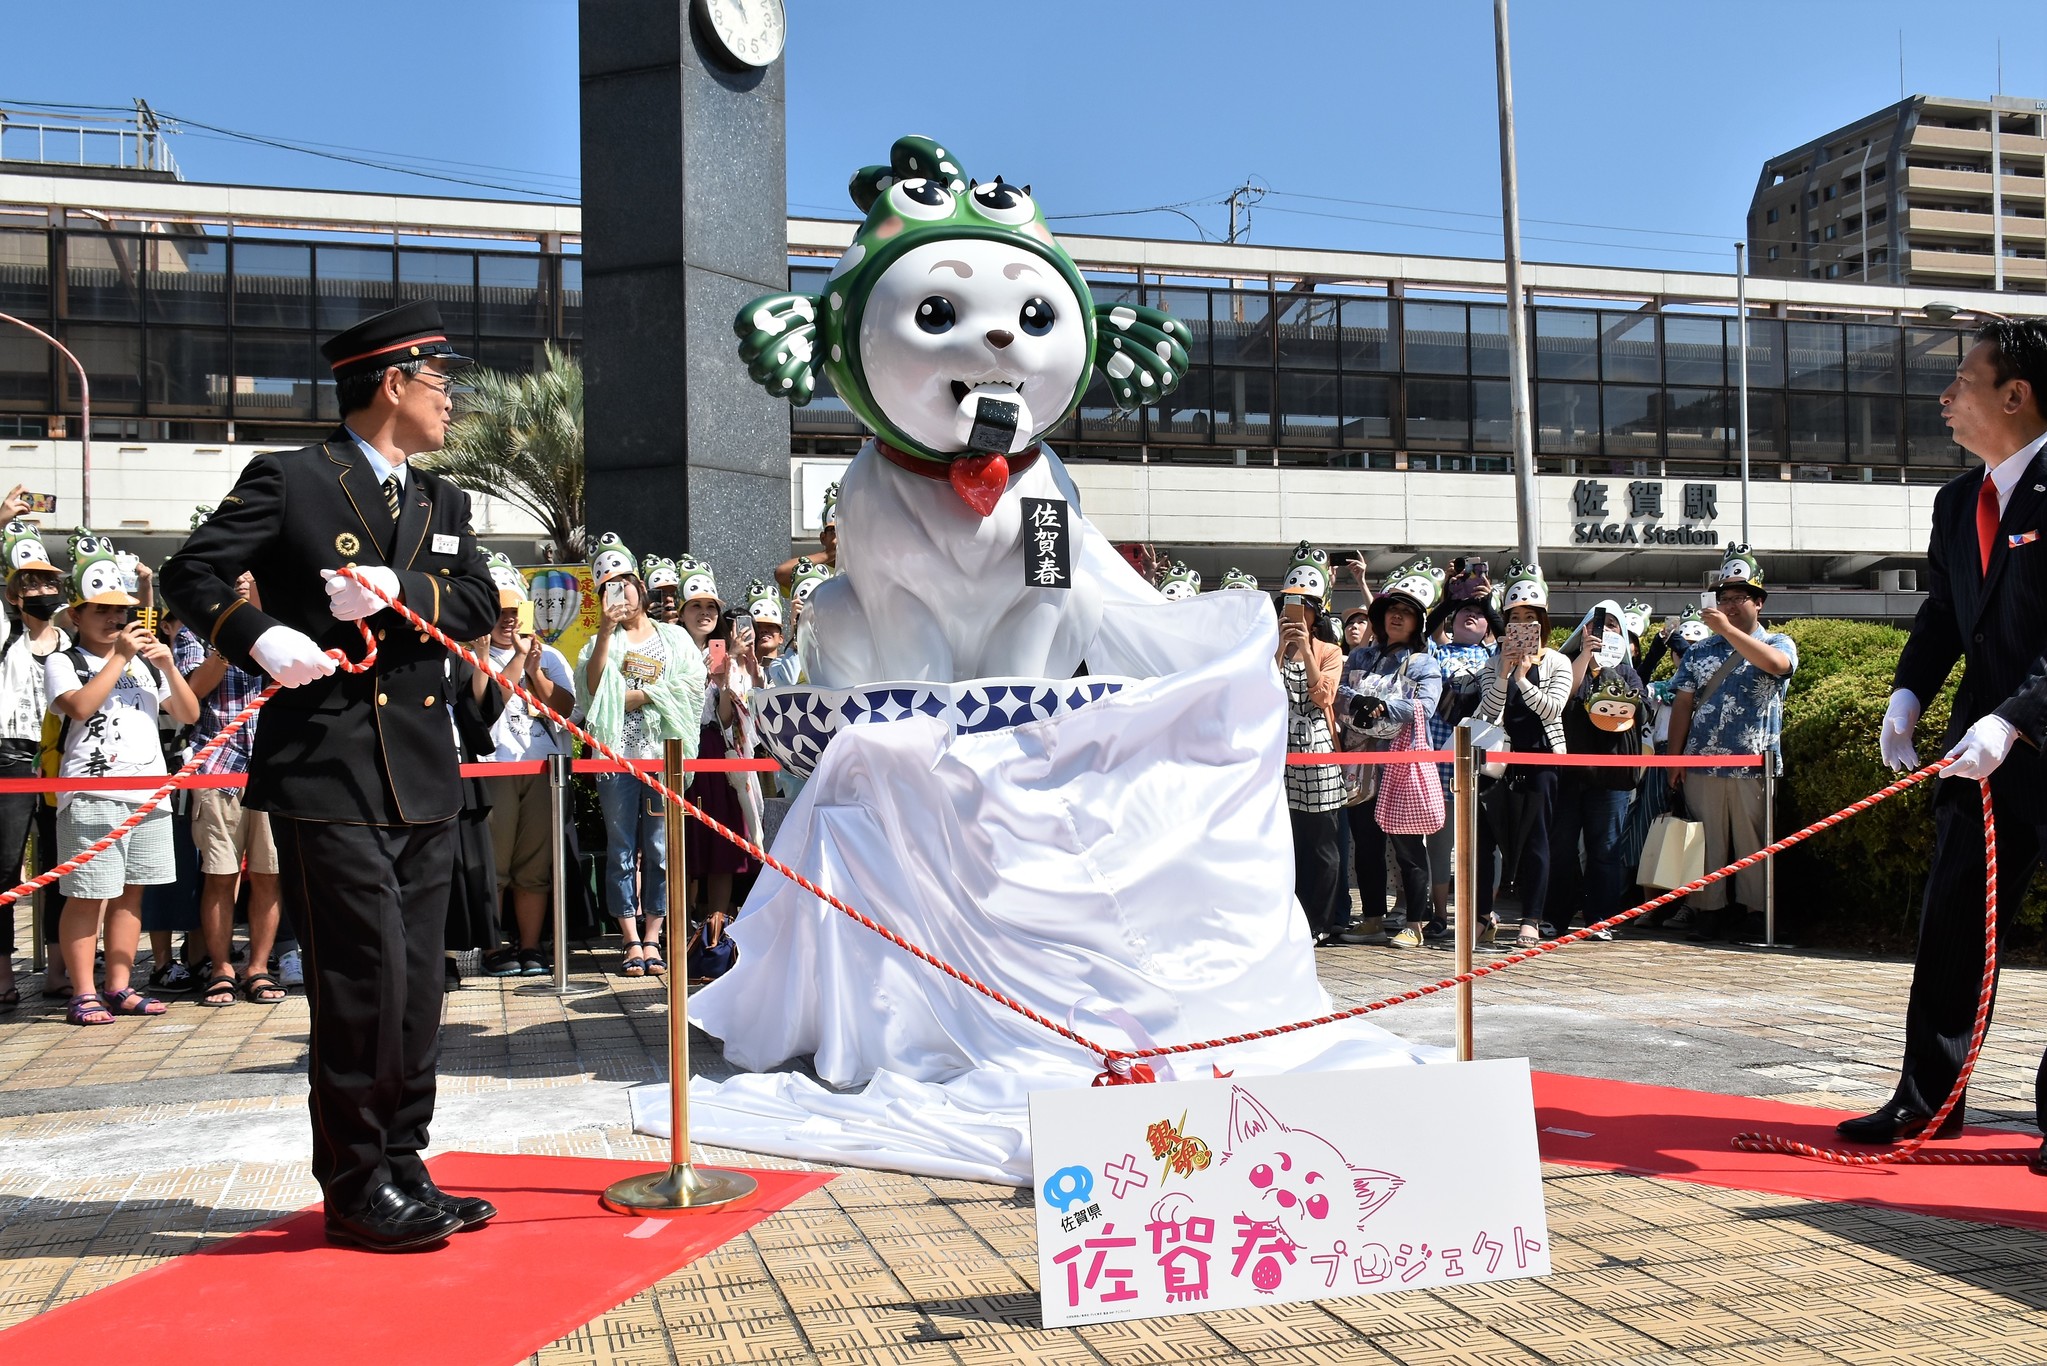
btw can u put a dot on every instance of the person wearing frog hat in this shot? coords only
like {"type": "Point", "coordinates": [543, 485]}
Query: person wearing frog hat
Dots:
{"type": "Point", "coordinates": [725, 731]}
{"type": "Point", "coordinates": [1524, 692]}
{"type": "Point", "coordinates": [764, 607]}
{"type": "Point", "coordinates": [1605, 715]}
{"type": "Point", "coordinates": [28, 637]}
{"type": "Point", "coordinates": [804, 580]}
{"type": "Point", "coordinates": [1385, 686]}
{"type": "Point", "coordinates": [664, 586]}
{"type": "Point", "coordinates": [641, 684]}
{"type": "Point", "coordinates": [1236, 578]}
{"type": "Point", "coordinates": [828, 537]}
{"type": "Point", "coordinates": [1310, 668]}
{"type": "Point", "coordinates": [1178, 582]}
{"type": "Point", "coordinates": [1459, 630]}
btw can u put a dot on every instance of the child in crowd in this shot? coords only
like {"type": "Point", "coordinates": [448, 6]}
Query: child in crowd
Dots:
{"type": "Point", "coordinates": [108, 689]}
{"type": "Point", "coordinates": [35, 590]}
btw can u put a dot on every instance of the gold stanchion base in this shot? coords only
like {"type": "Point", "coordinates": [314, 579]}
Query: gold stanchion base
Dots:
{"type": "Point", "coordinates": [678, 1190]}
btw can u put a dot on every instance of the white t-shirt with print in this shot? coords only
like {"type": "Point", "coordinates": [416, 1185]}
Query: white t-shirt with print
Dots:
{"type": "Point", "coordinates": [120, 740]}
{"type": "Point", "coordinates": [640, 665]}
{"type": "Point", "coordinates": [522, 735]}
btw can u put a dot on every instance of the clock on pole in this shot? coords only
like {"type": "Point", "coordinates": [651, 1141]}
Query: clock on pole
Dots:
{"type": "Point", "coordinates": [748, 32]}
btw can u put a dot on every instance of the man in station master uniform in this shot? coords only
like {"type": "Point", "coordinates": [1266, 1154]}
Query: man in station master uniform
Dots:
{"type": "Point", "coordinates": [358, 771]}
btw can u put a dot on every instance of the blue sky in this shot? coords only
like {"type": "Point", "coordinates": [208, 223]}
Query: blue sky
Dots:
{"type": "Point", "coordinates": [1642, 125]}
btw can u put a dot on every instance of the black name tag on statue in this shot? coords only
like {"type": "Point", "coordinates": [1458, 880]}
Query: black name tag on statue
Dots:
{"type": "Point", "coordinates": [1048, 544]}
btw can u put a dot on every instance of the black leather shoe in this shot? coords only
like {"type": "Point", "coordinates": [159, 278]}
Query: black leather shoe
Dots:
{"type": "Point", "coordinates": [1895, 1121]}
{"type": "Point", "coordinates": [2038, 1166]}
{"type": "Point", "coordinates": [473, 1212]}
{"type": "Point", "coordinates": [389, 1220]}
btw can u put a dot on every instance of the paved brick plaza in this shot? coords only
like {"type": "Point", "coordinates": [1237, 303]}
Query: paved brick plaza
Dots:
{"type": "Point", "coordinates": [124, 1145]}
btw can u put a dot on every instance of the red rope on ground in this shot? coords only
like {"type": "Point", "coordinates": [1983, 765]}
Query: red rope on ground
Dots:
{"type": "Point", "coordinates": [155, 799]}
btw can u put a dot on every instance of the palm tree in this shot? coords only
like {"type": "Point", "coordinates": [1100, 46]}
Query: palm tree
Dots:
{"type": "Point", "coordinates": [520, 438]}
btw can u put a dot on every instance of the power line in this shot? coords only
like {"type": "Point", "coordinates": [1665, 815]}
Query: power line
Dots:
{"type": "Point", "coordinates": [1493, 217]}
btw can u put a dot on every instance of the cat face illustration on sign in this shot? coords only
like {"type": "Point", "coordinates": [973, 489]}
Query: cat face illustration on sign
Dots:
{"type": "Point", "coordinates": [1296, 1180]}
{"type": "Point", "coordinates": [955, 325]}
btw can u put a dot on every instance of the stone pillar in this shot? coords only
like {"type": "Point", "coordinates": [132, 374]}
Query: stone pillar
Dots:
{"type": "Point", "coordinates": [685, 218]}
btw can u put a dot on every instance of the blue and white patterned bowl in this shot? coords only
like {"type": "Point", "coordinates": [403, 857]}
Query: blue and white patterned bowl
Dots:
{"type": "Point", "coordinates": [798, 722]}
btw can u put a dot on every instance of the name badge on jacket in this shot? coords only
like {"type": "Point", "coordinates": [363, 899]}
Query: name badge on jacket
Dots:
{"type": "Point", "coordinates": [445, 545]}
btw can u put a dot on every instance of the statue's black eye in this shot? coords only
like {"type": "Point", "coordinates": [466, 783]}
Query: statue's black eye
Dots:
{"type": "Point", "coordinates": [1037, 316]}
{"type": "Point", "coordinates": [927, 192]}
{"type": "Point", "coordinates": [1005, 203]}
{"type": "Point", "coordinates": [935, 314]}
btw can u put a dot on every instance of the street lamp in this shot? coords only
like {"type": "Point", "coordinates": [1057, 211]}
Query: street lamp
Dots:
{"type": "Point", "coordinates": [84, 418]}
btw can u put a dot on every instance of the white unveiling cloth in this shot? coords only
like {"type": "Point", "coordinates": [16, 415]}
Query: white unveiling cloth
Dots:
{"type": "Point", "coordinates": [1126, 868]}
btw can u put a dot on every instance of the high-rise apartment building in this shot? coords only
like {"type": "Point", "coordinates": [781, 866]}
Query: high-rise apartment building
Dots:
{"type": "Point", "coordinates": [1934, 192]}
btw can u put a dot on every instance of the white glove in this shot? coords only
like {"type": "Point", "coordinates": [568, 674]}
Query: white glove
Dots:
{"type": "Point", "coordinates": [350, 601]}
{"type": "Point", "coordinates": [1896, 740]}
{"type": "Point", "coordinates": [1982, 749]}
{"type": "Point", "coordinates": [291, 657]}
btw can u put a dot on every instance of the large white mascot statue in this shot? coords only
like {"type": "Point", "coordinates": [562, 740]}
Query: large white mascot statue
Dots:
{"type": "Point", "coordinates": [1022, 756]}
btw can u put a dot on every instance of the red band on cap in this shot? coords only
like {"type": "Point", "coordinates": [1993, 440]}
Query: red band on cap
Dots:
{"type": "Point", "coordinates": [395, 346]}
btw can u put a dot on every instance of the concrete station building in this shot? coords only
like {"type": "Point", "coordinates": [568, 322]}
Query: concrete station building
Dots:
{"type": "Point", "coordinates": [1352, 399]}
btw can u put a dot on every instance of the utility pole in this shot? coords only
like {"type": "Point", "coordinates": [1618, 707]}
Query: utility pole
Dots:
{"type": "Point", "coordinates": [1529, 510]}
{"type": "Point", "coordinates": [1741, 369]}
{"type": "Point", "coordinates": [1243, 197]}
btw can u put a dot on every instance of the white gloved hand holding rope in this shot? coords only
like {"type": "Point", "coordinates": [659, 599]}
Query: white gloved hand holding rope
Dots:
{"type": "Point", "coordinates": [292, 658]}
{"type": "Point", "coordinates": [1982, 749]}
{"type": "Point", "coordinates": [350, 601]}
{"type": "Point", "coordinates": [1896, 740]}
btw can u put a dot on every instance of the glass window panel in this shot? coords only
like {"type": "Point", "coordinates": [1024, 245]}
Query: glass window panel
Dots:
{"type": "Point", "coordinates": [1308, 409]}
{"type": "Point", "coordinates": [1488, 339]}
{"type": "Point", "coordinates": [1102, 420]}
{"type": "Point", "coordinates": [273, 284]}
{"type": "Point", "coordinates": [1190, 306]}
{"type": "Point", "coordinates": [1765, 354]}
{"type": "Point", "coordinates": [355, 283]}
{"type": "Point", "coordinates": [1628, 341]}
{"type": "Point", "coordinates": [1438, 414]}
{"type": "Point", "coordinates": [1695, 350]}
{"type": "Point", "coordinates": [25, 274]}
{"type": "Point", "coordinates": [1631, 419]}
{"type": "Point", "coordinates": [513, 357]}
{"type": "Point", "coordinates": [448, 279]}
{"type": "Point", "coordinates": [1434, 337]}
{"type": "Point", "coordinates": [1307, 332]}
{"type": "Point", "coordinates": [1928, 443]}
{"type": "Point", "coordinates": [1765, 425]}
{"type": "Point", "coordinates": [102, 277]}
{"type": "Point", "coordinates": [1873, 430]}
{"type": "Point", "coordinates": [1696, 421]}
{"type": "Point", "coordinates": [1367, 410]}
{"type": "Point", "coordinates": [1567, 419]}
{"type": "Point", "coordinates": [188, 372]}
{"type": "Point", "coordinates": [112, 357]}
{"type": "Point", "coordinates": [1872, 359]}
{"type": "Point", "coordinates": [1240, 328]}
{"type": "Point", "coordinates": [187, 278]}
{"type": "Point", "coordinates": [1367, 345]}
{"type": "Point", "coordinates": [1566, 344]}
{"type": "Point", "coordinates": [572, 297]}
{"type": "Point", "coordinates": [1932, 355]}
{"type": "Point", "coordinates": [1243, 407]}
{"type": "Point", "coordinates": [1492, 407]}
{"type": "Point", "coordinates": [24, 371]}
{"type": "Point", "coordinates": [273, 376]}
{"type": "Point", "coordinates": [1183, 415]}
{"type": "Point", "coordinates": [1816, 356]}
{"type": "Point", "coordinates": [1818, 425]}
{"type": "Point", "coordinates": [827, 414]}
{"type": "Point", "coordinates": [510, 302]}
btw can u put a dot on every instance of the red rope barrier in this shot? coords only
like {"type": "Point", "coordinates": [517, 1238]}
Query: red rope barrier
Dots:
{"type": "Point", "coordinates": [1351, 758]}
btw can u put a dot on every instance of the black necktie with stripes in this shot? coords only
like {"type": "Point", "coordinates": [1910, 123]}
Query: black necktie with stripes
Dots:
{"type": "Point", "coordinates": [391, 495]}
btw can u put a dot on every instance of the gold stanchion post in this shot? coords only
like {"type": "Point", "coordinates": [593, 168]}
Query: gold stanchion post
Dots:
{"type": "Point", "coordinates": [684, 1186]}
{"type": "Point", "coordinates": [1464, 852]}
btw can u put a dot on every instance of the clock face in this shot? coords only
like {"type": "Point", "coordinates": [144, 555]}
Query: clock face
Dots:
{"type": "Point", "coordinates": [749, 31]}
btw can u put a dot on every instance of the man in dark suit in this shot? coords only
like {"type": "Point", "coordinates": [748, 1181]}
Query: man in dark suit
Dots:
{"type": "Point", "coordinates": [1986, 604]}
{"type": "Point", "coordinates": [358, 771]}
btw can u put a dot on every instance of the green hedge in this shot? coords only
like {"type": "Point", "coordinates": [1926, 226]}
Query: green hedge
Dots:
{"type": "Point", "coordinates": [1858, 885]}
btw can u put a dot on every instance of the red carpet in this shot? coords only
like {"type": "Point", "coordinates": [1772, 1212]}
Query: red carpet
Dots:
{"type": "Point", "coordinates": [1683, 1135]}
{"type": "Point", "coordinates": [550, 1262]}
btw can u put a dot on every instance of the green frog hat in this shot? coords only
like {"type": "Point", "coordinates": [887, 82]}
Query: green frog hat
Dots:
{"type": "Point", "coordinates": [805, 577]}
{"type": "Point", "coordinates": [96, 574]}
{"type": "Point", "coordinates": [1418, 581]}
{"type": "Point", "coordinates": [1613, 703]}
{"type": "Point", "coordinates": [1307, 575]}
{"type": "Point", "coordinates": [1740, 569]}
{"type": "Point", "coordinates": [22, 543]}
{"type": "Point", "coordinates": [1525, 587]}
{"type": "Point", "coordinates": [1637, 616]}
{"type": "Point", "coordinates": [955, 327]}
{"type": "Point", "coordinates": [697, 581]}
{"type": "Point", "coordinates": [1234, 578]}
{"type": "Point", "coordinates": [1692, 627]}
{"type": "Point", "coordinates": [830, 516]}
{"type": "Point", "coordinates": [1179, 583]}
{"type": "Point", "coordinates": [511, 584]}
{"type": "Point", "coordinates": [659, 572]}
{"type": "Point", "coordinates": [611, 559]}
{"type": "Point", "coordinates": [763, 603]}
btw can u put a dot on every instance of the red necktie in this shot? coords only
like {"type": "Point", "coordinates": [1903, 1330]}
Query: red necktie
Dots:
{"type": "Point", "coordinates": [1986, 519]}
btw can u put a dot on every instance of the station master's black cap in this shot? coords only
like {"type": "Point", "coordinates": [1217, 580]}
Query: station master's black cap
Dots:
{"type": "Point", "coordinates": [396, 336]}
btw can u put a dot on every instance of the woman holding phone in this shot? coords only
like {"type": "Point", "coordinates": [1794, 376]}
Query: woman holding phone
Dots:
{"type": "Point", "coordinates": [1524, 693]}
{"type": "Point", "coordinates": [642, 684]}
{"type": "Point", "coordinates": [731, 799]}
{"type": "Point", "coordinates": [1310, 666]}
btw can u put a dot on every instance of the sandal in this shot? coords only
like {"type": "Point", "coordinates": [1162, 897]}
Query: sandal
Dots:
{"type": "Point", "coordinates": [635, 966]}
{"type": "Point", "coordinates": [655, 967]}
{"type": "Point", "coordinates": [10, 998]}
{"type": "Point", "coordinates": [1488, 929]}
{"type": "Point", "coordinates": [129, 1001]}
{"type": "Point", "coordinates": [262, 989]}
{"type": "Point", "coordinates": [217, 987]}
{"type": "Point", "coordinates": [1529, 937]}
{"type": "Point", "coordinates": [88, 1009]}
